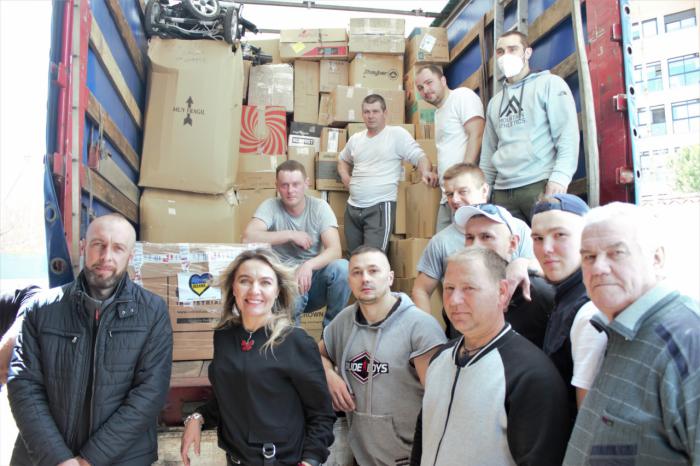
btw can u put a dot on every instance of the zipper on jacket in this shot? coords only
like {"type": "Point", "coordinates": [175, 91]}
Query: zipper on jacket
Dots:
{"type": "Point", "coordinates": [78, 406]}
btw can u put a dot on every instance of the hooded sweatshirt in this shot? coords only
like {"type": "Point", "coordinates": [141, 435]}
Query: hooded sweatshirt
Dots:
{"type": "Point", "coordinates": [388, 397]}
{"type": "Point", "coordinates": [531, 133]}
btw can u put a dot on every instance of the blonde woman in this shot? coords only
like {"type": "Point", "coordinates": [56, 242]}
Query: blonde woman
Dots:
{"type": "Point", "coordinates": [271, 404]}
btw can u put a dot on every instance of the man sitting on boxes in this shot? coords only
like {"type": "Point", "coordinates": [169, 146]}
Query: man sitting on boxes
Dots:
{"type": "Point", "coordinates": [303, 232]}
{"type": "Point", "coordinates": [370, 167]}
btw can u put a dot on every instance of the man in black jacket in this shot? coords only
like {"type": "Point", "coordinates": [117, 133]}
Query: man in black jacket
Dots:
{"type": "Point", "coordinates": [91, 367]}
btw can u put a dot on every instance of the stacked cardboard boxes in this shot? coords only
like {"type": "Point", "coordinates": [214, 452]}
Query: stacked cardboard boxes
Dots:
{"type": "Point", "coordinates": [377, 35]}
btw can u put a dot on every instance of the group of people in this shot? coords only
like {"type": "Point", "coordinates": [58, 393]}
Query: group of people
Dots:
{"type": "Point", "coordinates": [563, 345]}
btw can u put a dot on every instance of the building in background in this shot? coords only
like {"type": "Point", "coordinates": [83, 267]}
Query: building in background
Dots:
{"type": "Point", "coordinates": [667, 83]}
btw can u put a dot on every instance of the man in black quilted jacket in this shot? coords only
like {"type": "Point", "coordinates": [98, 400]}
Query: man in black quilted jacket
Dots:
{"type": "Point", "coordinates": [91, 367]}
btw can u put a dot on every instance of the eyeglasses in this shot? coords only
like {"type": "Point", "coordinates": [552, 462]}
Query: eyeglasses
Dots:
{"type": "Point", "coordinates": [494, 210]}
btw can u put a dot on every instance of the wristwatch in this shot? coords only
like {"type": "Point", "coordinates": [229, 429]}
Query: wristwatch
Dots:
{"type": "Point", "coordinates": [194, 416]}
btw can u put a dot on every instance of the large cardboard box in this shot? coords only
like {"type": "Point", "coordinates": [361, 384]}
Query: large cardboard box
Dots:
{"type": "Point", "coordinates": [379, 26]}
{"type": "Point", "coordinates": [338, 200]}
{"type": "Point", "coordinates": [367, 43]}
{"type": "Point", "coordinates": [420, 112]}
{"type": "Point", "coordinates": [428, 146]}
{"type": "Point", "coordinates": [357, 127]}
{"type": "Point", "coordinates": [333, 139]}
{"type": "Point", "coordinates": [313, 44]}
{"type": "Point", "coordinates": [327, 177]}
{"type": "Point", "coordinates": [272, 85]}
{"type": "Point", "coordinates": [377, 71]}
{"type": "Point", "coordinates": [400, 225]}
{"type": "Point", "coordinates": [324, 110]}
{"type": "Point", "coordinates": [404, 255]}
{"type": "Point", "coordinates": [422, 204]}
{"type": "Point", "coordinates": [346, 104]}
{"type": "Point", "coordinates": [263, 130]}
{"type": "Point", "coordinates": [180, 217]}
{"type": "Point", "coordinates": [427, 45]}
{"type": "Point", "coordinates": [269, 47]}
{"type": "Point", "coordinates": [425, 131]}
{"type": "Point", "coordinates": [258, 171]}
{"type": "Point", "coordinates": [405, 285]}
{"type": "Point", "coordinates": [306, 91]}
{"type": "Point", "coordinates": [179, 151]}
{"type": "Point", "coordinates": [305, 135]}
{"type": "Point", "coordinates": [307, 157]}
{"type": "Point", "coordinates": [333, 73]}
{"type": "Point", "coordinates": [248, 202]}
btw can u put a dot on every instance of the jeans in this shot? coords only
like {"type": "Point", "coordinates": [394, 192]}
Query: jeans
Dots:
{"type": "Point", "coordinates": [329, 287]}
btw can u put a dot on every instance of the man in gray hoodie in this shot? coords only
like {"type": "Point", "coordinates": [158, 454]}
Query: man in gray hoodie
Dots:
{"type": "Point", "coordinates": [381, 346]}
{"type": "Point", "coordinates": [531, 140]}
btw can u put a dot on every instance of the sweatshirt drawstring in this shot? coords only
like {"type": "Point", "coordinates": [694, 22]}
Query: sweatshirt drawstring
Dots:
{"type": "Point", "coordinates": [371, 369]}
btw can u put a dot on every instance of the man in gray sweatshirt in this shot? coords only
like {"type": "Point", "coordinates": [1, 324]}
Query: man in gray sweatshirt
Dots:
{"type": "Point", "coordinates": [381, 346]}
{"type": "Point", "coordinates": [531, 140]}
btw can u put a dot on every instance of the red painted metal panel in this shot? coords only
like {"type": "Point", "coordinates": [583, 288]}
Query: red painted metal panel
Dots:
{"type": "Point", "coordinates": [606, 62]}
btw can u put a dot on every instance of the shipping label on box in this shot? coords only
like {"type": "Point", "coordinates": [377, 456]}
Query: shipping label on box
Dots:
{"type": "Point", "coordinates": [263, 130]}
{"type": "Point", "coordinates": [333, 73]}
{"type": "Point", "coordinates": [395, 45]}
{"type": "Point", "coordinates": [378, 26]}
{"type": "Point", "coordinates": [422, 204]}
{"type": "Point", "coordinates": [272, 85]}
{"type": "Point", "coordinates": [427, 45]}
{"type": "Point", "coordinates": [305, 135]}
{"type": "Point", "coordinates": [346, 104]}
{"type": "Point", "coordinates": [306, 91]}
{"type": "Point", "coordinates": [307, 157]}
{"type": "Point", "coordinates": [327, 177]}
{"type": "Point", "coordinates": [377, 71]}
{"type": "Point", "coordinates": [333, 139]}
{"type": "Point", "coordinates": [258, 171]}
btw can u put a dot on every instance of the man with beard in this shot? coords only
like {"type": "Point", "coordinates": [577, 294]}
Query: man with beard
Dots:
{"type": "Point", "coordinates": [381, 346]}
{"type": "Point", "coordinates": [91, 367]}
{"type": "Point", "coordinates": [459, 127]}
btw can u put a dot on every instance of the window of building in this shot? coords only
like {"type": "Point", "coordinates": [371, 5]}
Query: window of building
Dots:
{"type": "Point", "coordinates": [684, 71]}
{"type": "Point", "coordinates": [651, 121]}
{"type": "Point", "coordinates": [649, 28]}
{"type": "Point", "coordinates": [686, 116]}
{"type": "Point", "coordinates": [653, 75]}
{"type": "Point", "coordinates": [637, 74]}
{"type": "Point", "coordinates": [636, 33]}
{"type": "Point", "coordinates": [680, 20]}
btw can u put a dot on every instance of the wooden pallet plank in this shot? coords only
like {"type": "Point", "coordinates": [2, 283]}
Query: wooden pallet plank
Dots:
{"type": "Point", "coordinates": [128, 37]}
{"type": "Point", "coordinates": [566, 67]}
{"type": "Point", "coordinates": [112, 131]}
{"type": "Point", "coordinates": [104, 55]}
{"type": "Point", "coordinates": [117, 178]}
{"type": "Point", "coordinates": [548, 20]}
{"type": "Point", "coordinates": [92, 182]}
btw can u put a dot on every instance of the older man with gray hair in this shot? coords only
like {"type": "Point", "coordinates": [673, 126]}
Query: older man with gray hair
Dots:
{"type": "Point", "coordinates": [643, 407]}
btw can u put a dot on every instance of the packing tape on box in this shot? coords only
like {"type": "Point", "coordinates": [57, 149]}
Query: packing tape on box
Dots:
{"type": "Point", "coordinates": [351, 115]}
{"type": "Point", "coordinates": [185, 256]}
{"type": "Point", "coordinates": [137, 261]}
{"type": "Point", "coordinates": [427, 43]}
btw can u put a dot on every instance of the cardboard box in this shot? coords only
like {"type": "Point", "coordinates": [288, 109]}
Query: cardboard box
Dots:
{"type": "Point", "coordinates": [404, 255]}
{"type": "Point", "coordinates": [394, 45]}
{"type": "Point", "coordinates": [193, 346]}
{"type": "Point", "coordinates": [305, 135]}
{"type": "Point", "coordinates": [381, 26]}
{"type": "Point", "coordinates": [248, 202]}
{"type": "Point", "coordinates": [181, 217]}
{"type": "Point", "coordinates": [357, 127]}
{"type": "Point", "coordinates": [425, 131]}
{"type": "Point", "coordinates": [346, 104]}
{"type": "Point", "coordinates": [427, 45]}
{"type": "Point", "coordinates": [327, 177]}
{"type": "Point", "coordinates": [307, 157]}
{"type": "Point", "coordinates": [263, 130]}
{"type": "Point", "coordinates": [313, 44]}
{"type": "Point", "coordinates": [272, 85]}
{"type": "Point", "coordinates": [189, 316]}
{"type": "Point", "coordinates": [179, 151]}
{"type": "Point", "coordinates": [333, 139]}
{"type": "Point", "coordinates": [306, 91]}
{"type": "Point", "coordinates": [312, 322]}
{"type": "Point", "coordinates": [420, 112]}
{"type": "Point", "coordinates": [377, 71]}
{"type": "Point", "coordinates": [333, 73]}
{"type": "Point", "coordinates": [269, 47]}
{"type": "Point", "coordinates": [258, 171]}
{"type": "Point", "coordinates": [338, 200]}
{"type": "Point", "coordinates": [405, 285]}
{"type": "Point", "coordinates": [422, 204]}
{"type": "Point", "coordinates": [428, 146]}
{"type": "Point", "coordinates": [343, 243]}
{"type": "Point", "coordinates": [400, 224]}
{"type": "Point", "coordinates": [324, 110]}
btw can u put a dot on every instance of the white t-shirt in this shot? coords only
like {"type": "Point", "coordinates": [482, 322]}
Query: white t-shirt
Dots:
{"type": "Point", "coordinates": [376, 164]}
{"type": "Point", "coordinates": [461, 105]}
{"type": "Point", "coordinates": [587, 347]}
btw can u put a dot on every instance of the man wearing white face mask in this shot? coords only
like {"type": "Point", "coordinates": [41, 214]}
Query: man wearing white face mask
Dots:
{"type": "Point", "coordinates": [531, 140]}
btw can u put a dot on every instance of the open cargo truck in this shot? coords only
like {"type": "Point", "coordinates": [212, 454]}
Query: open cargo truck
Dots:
{"type": "Point", "coordinates": [97, 100]}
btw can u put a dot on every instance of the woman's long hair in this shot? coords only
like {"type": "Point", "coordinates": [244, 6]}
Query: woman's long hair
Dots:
{"type": "Point", "coordinates": [281, 319]}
